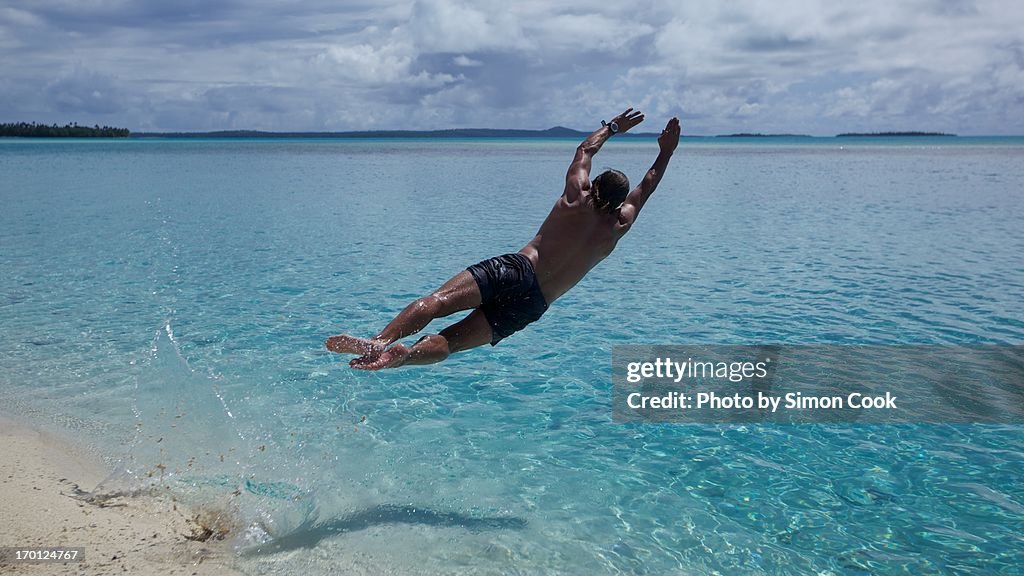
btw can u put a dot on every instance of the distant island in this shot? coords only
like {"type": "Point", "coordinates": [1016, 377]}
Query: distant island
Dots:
{"type": "Point", "coordinates": [759, 135]}
{"type": "Point", "coordinates": [33, 130]}
{"type": "Point", "coordinates": [556, 132]}
{"type": "Point", "coordinates": [889, 134]}
{"type": "Point", "coordinates": [73, 130]}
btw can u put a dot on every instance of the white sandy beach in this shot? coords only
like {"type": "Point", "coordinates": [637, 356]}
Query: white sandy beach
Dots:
{"type": "Point", "coordinates": [41, 507]}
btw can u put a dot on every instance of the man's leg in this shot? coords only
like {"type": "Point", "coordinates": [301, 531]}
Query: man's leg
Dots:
{"type": "Point", "coordinates": [458, 293]}
{"type": "Point", "coordinates": [470, 332]}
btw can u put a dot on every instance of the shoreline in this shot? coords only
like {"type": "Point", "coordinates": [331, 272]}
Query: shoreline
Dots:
{"type": "Point", "coordinates": [44, 500]}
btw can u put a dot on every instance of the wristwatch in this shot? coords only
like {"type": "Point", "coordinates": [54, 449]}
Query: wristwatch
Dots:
{"type": "Point", "coordinates": [611, 126]}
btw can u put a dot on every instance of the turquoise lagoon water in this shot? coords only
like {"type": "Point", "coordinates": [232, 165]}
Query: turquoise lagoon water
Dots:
{"type": "Point", "coordinates": [166, 302]}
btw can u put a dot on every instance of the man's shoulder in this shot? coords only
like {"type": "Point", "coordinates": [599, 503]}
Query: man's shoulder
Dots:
{"type": "Point", "coordinates": [625, 218]}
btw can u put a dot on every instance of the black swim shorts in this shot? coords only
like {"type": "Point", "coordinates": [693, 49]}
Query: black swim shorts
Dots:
{"type": "Point", "coordinates": [510, 292]}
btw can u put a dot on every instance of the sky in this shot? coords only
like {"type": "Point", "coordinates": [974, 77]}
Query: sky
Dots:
{"type": "Point", "coordinates": [782, 66]}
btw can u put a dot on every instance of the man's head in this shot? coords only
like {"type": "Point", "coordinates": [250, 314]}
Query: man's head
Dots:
{"type": "Point", "coordinates": [609, 190]}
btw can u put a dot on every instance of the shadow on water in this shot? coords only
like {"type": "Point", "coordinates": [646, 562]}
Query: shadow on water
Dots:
{"type": "Point", "coordinates": [310, 535]}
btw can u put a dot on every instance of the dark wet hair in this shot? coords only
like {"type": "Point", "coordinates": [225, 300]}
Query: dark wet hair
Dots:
{"type": "Point", "coordinates": [609, 190]}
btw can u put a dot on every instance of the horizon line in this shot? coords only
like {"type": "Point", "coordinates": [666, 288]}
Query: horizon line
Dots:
{"type": "Point", "coordinates": [553, 132]}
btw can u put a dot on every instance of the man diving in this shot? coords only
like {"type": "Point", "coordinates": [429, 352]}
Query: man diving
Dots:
{"type": "Point", "coordinates": [508, 292]}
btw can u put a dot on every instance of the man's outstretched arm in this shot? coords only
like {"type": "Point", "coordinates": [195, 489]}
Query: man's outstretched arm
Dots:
{"type": "Point", "coordinates": [637, 197]}
{"type": "Point", "coordinates": [578, 177]}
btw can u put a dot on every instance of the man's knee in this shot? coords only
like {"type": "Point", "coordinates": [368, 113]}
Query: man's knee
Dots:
{"type": "Point", "coordinates": [439, 304]}
{"type": "Point", "coordinates": [437, 344]}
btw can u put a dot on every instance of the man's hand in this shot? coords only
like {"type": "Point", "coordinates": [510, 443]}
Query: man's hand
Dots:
{"type": "Point", "coordinates": [667, 141]}
{"type": "Point", "coordinates": [669, 138]}
{"type": "Point", "coordinates": [628, 119]}
{"type": "Point", "coordinates": [577, 179]}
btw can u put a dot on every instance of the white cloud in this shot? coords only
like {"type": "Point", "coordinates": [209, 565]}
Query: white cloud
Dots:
{"type": "Point", "coordinates": [466, 62]}
{"type": "Point", "coordinates": [754, 65]}
{"type": "Point", "coordinates": [81, 90]}
{"type": "Point", "coordinates": [389, 64]}
{"type": "Point", "coordinates": [452, 26]}
{"type": "Point", "coordinates": [368, 64]}
{"type": "Point", "coordinates": [586, 32]}
{"type": "Point", "coordinates": [16, 17]}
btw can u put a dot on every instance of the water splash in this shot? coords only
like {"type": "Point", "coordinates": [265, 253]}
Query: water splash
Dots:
{"type": "Point", "coordinates": [190, 445]}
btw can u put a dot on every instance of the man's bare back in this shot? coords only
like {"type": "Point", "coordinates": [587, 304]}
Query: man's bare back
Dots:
{"type": "Point", "coordinates": [572, 240]}
{"type": "Point", "coordinates": [508, 292]}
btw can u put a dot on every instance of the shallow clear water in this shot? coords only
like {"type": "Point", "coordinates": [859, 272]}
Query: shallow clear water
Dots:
{"type": "Point", "coordinates": [167, 301]}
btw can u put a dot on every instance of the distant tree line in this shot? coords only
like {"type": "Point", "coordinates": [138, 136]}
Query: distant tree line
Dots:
{"type": "Point", "coordinates": [760, 135]}
{"type": "Point", "coordinates": [890, 134]}
{"type": "Point", "coordinates": [33, 130]}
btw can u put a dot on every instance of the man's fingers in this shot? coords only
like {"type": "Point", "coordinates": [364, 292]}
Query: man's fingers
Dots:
{"type": "Point", "coordinates": [630, 118]}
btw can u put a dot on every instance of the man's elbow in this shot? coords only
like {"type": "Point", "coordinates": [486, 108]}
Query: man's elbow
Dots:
{"type": "Point", "coordinates": [586, 150]}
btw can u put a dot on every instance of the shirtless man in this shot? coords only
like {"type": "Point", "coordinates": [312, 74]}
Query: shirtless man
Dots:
{"type": "Point", "coordinates": [508, 292]}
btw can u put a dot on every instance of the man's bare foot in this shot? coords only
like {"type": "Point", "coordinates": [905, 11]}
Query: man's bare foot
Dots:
{"type": "Point", "coordinates": [345, 344]}
{"type": "Point", "coordinates": [393, 357]}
